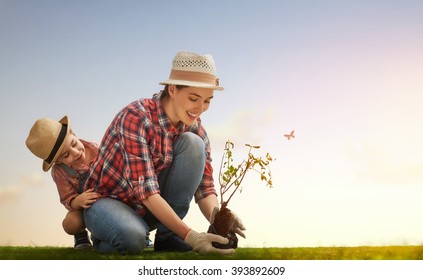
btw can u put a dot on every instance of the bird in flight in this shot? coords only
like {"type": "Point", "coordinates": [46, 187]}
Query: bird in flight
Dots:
{"type": "Point", "coordinates": [289, 136]}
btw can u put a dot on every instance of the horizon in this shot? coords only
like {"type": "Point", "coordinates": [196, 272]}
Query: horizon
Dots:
{"type": "Point", "coordinates": [345, 76]}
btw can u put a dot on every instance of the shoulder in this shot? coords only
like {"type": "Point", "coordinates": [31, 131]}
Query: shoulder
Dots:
{"type": "Point", "coordinates": [57, 168]}
{"type": "Point", "coordinates": [142, 113]}
{"type": "Point", "coordinates": [88, 144]}
{"type": "Point", "coordinates": [137, 118]}
{"type": "Point", "coordinates": [140, 108]}
{"type": "Point", "coordinates": [60, 171]}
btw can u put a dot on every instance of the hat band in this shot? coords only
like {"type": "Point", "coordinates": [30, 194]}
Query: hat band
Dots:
{"type": "Point", "coordinates": [194, 77]}
{"type": "Point", "coordinates": [58, 143]}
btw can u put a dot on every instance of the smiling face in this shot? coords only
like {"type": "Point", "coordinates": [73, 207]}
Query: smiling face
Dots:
{"type": "Point", "coordinates": [186, 104]}
{"type": "Point", "coordinates": [73, 151]}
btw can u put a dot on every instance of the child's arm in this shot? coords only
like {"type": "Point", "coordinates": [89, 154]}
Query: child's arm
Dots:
{"type": "Point", "coordinates": [69, 196]}
{"type": "Point", "coordinates": [85, 199]}
{"type": "Point", "coordinates": [67, 192]}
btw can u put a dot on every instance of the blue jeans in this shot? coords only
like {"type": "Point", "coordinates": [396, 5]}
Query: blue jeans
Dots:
{"type": "Point", "coordinates": [116, 227]}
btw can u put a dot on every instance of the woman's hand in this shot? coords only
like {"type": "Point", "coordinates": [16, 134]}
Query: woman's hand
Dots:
{"type": "Point", "coordinates": [238, 227]}
{"type": "Point", "coordinates": [202, 242]}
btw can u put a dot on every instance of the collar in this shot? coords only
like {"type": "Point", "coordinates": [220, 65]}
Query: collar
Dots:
{"type": "Point", "coordinates": [164, 119]}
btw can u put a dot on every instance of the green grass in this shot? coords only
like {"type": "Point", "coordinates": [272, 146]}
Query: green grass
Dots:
{"type": "Point", "coordinates": [318, 253]}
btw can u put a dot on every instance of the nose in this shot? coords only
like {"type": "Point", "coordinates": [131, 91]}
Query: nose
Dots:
{"type": "Point", "coordinates": [74, 153]}
{"type": "Point", "coordinates": [200, 107]}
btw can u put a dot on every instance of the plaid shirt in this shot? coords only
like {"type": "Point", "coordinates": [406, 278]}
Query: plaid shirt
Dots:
{"type": "Point", "coordinates": [136, 147]}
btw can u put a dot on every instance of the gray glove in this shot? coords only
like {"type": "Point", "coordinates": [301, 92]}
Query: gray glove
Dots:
{"type": "Point", "coordinates": [202, 242]}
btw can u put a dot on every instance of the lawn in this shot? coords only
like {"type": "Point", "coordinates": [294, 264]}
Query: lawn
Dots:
{"type": "Point", "coordinates": [317, 253]}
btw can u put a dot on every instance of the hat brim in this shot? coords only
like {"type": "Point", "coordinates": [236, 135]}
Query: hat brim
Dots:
{"type": "Point", "coordinates": [64, 121]}
{"type": "Point", "coordinates": [190, 84]}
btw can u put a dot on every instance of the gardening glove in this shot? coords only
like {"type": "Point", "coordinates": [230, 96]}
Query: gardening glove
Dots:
{"type": "Point", "coordinates": [238, 227]}
{"type": "Point", "coordinates": [202, 242]}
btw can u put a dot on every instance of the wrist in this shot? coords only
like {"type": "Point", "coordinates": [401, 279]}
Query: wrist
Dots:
{"type": "Point", "coordinates": [191, 237]}
{"type": "Point", "coordinates": [213, 214]}
{"type": "Point", "coordinates": [186, 234]}
{"type": "Point", "coordinates": [74, 204]}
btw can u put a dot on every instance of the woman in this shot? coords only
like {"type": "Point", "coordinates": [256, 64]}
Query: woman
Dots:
{"type": "Point", "coordinates": [153, 159]}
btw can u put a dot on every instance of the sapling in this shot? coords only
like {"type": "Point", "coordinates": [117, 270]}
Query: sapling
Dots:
{"type": "Point", "coordinates": [230, 179]}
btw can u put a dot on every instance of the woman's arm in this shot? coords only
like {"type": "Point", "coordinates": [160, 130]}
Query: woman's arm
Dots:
{"type": "Point", "coordinates": [165, 214]}
{"type": "Point", "coordinates": [207, 204]}
{"type": "Point", "coordinates": [200, 242]}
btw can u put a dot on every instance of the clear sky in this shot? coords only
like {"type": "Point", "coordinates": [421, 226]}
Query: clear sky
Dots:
{"type": "Point", "coordinates": [345, 75]}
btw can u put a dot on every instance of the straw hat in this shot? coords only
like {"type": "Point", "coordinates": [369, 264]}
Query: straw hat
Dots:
{"type": "Point", "coordinates": [195, 70]}
{"type": "Point", "coordinates": [46, 138]}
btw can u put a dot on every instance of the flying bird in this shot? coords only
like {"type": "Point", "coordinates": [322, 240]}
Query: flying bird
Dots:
{"type": "Point", "coordinates": [289, 136]}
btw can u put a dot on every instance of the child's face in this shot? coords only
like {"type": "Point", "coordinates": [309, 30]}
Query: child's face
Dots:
{"type": "Point", "coordinates": [73, 151]}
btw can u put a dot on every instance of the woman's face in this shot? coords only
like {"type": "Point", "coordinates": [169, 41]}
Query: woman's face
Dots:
{"type": "Point", "coordinates": [187, 104]}
{"type": "Point", "coordinates": [73, 151]}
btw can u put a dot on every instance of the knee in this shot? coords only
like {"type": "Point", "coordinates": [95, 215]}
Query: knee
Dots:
{"type": "Point", "coordinates": [73, 223]}
{"type": "Point", "coordinates": [134, 242]}
{"type": "Point", "coordinates": [67, 227]}
{"type": "Point", "coordinates": [192, 144]}
{"type": "Point", "coordinates": [193, 140]}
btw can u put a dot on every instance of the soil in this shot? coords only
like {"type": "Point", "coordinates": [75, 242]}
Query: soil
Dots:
{"type": "Point", "coordinates": [222, 224]}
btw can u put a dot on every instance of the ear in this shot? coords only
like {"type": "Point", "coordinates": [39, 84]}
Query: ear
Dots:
{"type": "Point", "coordinates": [171, 89]}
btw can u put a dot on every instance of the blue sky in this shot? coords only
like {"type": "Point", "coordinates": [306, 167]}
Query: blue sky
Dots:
{"type": "Point", "coordinates": [346, 75]}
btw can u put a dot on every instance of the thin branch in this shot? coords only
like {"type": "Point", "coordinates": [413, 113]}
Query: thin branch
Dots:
{"type": "Point", "coordinates": [235, 176]}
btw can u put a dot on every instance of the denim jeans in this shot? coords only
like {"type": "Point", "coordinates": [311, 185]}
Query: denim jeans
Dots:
{"type": "Point", "coordinates": [116, 227]}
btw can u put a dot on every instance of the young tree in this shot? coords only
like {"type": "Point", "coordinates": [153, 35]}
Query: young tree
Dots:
{"type": "Point", "coordinates": [230, 179]}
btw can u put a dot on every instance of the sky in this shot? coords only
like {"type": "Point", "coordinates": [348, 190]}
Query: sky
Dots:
{"type": "Point", "coordinates": [345, 75]}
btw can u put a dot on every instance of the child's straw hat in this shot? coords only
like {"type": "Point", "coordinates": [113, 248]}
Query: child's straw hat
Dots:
{"type": "Point", "coordinates": [195, 70]}
{"type": "Point", "coordinates": [46, 138]}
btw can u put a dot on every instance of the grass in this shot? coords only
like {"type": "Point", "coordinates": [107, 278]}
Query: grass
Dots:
{"type": "Point", "coordinates": [318, 253]}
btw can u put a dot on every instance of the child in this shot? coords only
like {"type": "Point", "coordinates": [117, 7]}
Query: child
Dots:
{"type": "Point", "coordinates": [69, 159]}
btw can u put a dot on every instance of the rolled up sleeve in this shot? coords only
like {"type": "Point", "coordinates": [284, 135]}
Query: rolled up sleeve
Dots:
{"type": "Point", "coordinates": [139, 168]}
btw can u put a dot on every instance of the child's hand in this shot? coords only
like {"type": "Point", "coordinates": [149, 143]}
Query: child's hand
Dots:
{"type": "Point", "coordinates": [85, 199]}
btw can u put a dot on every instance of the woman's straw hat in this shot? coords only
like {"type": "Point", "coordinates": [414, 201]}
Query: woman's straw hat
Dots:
{"type": "Point", "coordinates": [46, 138]}
{"type": "Point", "coordinates": [195, 70]}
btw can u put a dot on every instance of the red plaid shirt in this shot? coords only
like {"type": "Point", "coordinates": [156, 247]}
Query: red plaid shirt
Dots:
{"type": "Point", "coordinates": [136, 147]}
{"type": "Point", "coordinates": [68, 184]}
